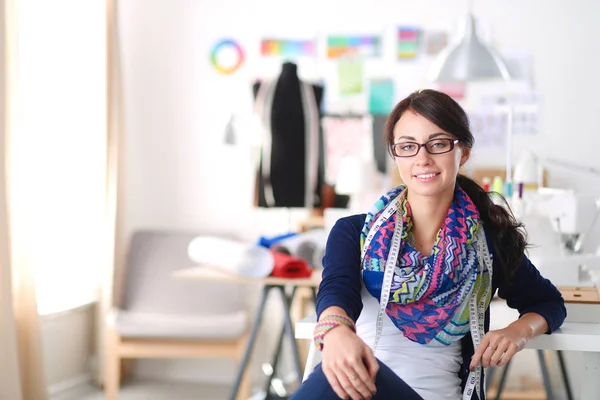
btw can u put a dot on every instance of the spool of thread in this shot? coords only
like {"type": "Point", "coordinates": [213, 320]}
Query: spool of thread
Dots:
{"type": "Point", "coordinates": [508, 190]}
{"type": "Point", "coordinates": [486, 184]}
{"type": "Point", "coordinates": [498, 185]}
{"type": "Point", "coordinates": [521, 186]}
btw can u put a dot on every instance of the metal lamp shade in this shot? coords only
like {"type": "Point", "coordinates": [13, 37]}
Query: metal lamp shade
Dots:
{"type": "Point", "coordinates": [468, 59]}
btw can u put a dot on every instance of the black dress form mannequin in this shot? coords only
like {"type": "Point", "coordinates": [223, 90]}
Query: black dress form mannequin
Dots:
{"type": "Point", "coordinates": [288, 143]}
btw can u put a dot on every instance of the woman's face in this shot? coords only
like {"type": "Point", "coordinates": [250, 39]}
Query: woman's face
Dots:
{"type": "Point", "coordinates": [427, 174]}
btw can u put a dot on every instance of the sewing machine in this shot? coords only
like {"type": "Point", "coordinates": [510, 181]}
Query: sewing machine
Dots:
{"type": "Point", "coordinates": [557, 222]}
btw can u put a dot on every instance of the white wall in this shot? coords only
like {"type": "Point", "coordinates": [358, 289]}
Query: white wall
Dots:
{"type": "Point", "coordinates": [178, 176]}
{"type": "Point", "coordinates": [67, 363]}
{"type": "Point", "coordinates": [176, 105]}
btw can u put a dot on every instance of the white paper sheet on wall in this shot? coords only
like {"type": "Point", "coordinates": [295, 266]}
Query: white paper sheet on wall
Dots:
{"type": "Point", "coordinates": [343, 137]}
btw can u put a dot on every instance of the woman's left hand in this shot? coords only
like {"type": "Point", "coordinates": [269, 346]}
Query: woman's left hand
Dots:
{"type": "Point", "coordinates": [498, 347]}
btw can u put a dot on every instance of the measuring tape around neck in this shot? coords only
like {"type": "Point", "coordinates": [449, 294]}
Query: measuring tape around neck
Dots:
{"type": "Point", "coordinates": [390, 263]}
{"type": "Point", "coordinates": [477, 314]}
{"type": "Point", "coordinates": [476, 309]}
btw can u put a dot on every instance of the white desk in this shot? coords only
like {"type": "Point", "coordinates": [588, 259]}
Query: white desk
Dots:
{"type": "Point", "coordinates": [570, 336]}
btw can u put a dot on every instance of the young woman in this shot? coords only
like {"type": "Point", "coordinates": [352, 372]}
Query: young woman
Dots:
{"type": "Point", "coordinates": [403, 308]}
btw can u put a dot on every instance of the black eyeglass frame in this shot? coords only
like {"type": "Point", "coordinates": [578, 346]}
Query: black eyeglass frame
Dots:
{"type": "Point", "coordinates": [453, 143]}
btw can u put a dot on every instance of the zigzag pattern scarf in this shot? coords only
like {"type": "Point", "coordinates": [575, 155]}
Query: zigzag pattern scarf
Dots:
{"type": "Point", "coordinates": [429, 296]}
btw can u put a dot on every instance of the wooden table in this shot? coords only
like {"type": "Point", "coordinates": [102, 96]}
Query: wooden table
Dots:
{"type": "Point", "coordinates": [269, 283]}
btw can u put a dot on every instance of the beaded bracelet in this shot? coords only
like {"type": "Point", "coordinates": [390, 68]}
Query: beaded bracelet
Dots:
{"type": "Point", "coordinates": [326, 324]}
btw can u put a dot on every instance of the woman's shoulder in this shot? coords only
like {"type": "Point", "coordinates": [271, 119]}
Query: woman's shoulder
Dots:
{"type": "Point", "coordinates": [348, 226]}
{"type": "Point", "coordinates": [353, 222]}
{"type": "Point", "coordinates": [355, 219]}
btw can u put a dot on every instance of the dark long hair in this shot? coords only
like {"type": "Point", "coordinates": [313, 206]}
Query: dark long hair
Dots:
{"type": "Point", "coordinates": [504, 232]}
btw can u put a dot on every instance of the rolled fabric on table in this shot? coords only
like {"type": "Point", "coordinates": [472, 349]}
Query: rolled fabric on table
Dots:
{"type": "Point", "coordinates": [287, 266]}
{"type": "Point", "coordinates": [244, 259]}
{"type": "Point", "coordinates": [305, 245]}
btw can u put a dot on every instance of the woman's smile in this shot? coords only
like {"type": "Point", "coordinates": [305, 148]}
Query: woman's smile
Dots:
{"type": "Point", "coordinates": [426, 177]}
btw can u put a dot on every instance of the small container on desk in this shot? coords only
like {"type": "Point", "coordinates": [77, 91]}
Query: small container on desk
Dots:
{"type": "Point", "coordinates": [582, 303]}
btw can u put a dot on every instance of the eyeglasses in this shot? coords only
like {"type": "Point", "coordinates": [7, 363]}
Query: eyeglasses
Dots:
{"type": "Point", "coordinates": [433, 146]}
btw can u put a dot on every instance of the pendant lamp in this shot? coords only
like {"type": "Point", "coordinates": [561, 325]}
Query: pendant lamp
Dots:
{"type": "Point", "coordinates": [468, 59]}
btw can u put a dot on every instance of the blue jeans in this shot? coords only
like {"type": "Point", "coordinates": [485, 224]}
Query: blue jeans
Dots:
{"type": "Point", "coordinates": [389, 386]}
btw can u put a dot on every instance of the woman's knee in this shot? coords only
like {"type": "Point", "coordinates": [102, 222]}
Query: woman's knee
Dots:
{"type": "Point", "coordinates": [388, 384]}
{"type": "Point", "coordinates": [316, 386]}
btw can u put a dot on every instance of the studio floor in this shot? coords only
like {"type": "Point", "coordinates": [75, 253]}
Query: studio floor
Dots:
{"type": "Point", "coordinates": [152, 390]}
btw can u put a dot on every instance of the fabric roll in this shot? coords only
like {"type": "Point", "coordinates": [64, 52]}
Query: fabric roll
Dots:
{"type": "Point", "coordinates": [247, 260]}
{"type": "Point", "coordinates": [286, 266]}
{"type": "Point", "coordinates": [304, 245]}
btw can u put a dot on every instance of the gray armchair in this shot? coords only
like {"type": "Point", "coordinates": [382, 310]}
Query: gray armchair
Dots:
{"type": "Point", "coordinates": [163, 317]}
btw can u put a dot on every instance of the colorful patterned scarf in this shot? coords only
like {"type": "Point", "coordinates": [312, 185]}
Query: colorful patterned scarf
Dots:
{"type": "Point", "coordinates": [429, 297]}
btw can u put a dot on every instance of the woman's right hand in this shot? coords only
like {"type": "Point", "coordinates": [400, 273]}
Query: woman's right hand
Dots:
{"type": "Point", "coordinates": [349, 364]}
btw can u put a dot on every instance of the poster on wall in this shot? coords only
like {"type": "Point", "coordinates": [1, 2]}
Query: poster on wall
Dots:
{"type": "Point", "coordinates": [435, 42]}
{"type": "Point", "coordinates": [364, 46]}
{"type": "Point", "coordinates": [489, 126]}
{"type": "Point", "coordinates": [287, 48]}
{"type": "Point", "coordinates": [345, 137]}
{"type": "Point", "coordinates": [488, 107]}
{"type": "Point", "coordinates": [489, 122]}
{"type": "Point", "coordinates": [408, 42]}
{"type": "Point", "coordinates": [381, 96]}
{"type": "Point", "coordinates": [227, 56]}
{"type": "Point", "coordinates": [350, 75]}
{"type": "Point", "coordinates": [456, 90]}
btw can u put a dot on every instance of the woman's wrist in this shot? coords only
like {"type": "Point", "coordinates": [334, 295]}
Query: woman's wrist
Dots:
{"type": "Point", "coordinates": [531, 324]}
{"type": "Point", "coordinates": [327, 323]}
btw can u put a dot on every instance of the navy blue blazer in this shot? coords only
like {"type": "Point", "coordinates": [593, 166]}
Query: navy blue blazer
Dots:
{"type": "Point", "coordinates": [341, 285]}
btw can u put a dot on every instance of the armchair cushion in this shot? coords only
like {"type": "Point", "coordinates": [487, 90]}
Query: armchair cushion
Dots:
{"type": "Point", "coordinates": [165, 326]}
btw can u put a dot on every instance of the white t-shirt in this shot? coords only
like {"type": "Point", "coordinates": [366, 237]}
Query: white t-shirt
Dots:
{"type": "Point", "coordinates": [430, 369]}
